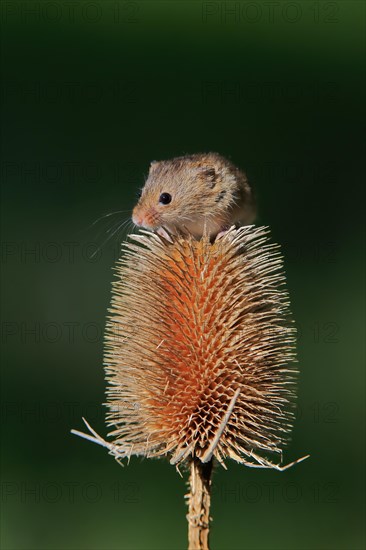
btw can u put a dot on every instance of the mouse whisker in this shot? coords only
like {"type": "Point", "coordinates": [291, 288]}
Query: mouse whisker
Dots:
{"type": "Point", "coordinates": [108, 215]}
{"type": "Point", "coordinates": [102, 218]}
{"type": "Point", "coordinates": [113, 230]}
{"type": "Point", "coordinates": [128, 225]}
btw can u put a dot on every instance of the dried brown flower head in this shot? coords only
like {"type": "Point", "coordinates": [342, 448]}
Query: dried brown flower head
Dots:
{"type": "Point", "coordinates": [200, 349]}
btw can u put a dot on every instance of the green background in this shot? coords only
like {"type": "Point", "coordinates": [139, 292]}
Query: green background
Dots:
{"type": "Point", "coordinates": [93, 91]}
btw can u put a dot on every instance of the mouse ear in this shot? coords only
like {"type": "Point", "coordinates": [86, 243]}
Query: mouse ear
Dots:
{"type": "Point", "coordinates": [209, 174]}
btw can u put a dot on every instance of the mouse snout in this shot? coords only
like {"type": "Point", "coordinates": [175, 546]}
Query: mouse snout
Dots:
{"type": "Point", "coordinates": [146, 218]}
{"type": "Point", "coordinates": [137, 219]}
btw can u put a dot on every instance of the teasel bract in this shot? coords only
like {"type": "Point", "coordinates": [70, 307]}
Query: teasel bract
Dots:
{"type": "Point", "coordinates": [200, 356]}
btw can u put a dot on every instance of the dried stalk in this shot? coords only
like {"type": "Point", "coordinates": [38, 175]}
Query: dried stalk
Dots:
{"type": "Point", "coordinates": [199, 500]}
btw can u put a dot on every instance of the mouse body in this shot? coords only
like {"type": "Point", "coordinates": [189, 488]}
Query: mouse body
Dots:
{"type": "Point", "coordinates": [200, 193]}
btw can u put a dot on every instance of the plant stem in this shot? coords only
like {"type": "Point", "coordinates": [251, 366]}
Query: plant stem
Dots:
{"type": "Point", "coordinates": [199, 500]}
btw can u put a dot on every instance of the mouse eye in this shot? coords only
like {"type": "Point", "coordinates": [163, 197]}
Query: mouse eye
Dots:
{"type": "Point", "coordinates": [165, 198]}
{"type": "Point", "coordinates": [139, 193]}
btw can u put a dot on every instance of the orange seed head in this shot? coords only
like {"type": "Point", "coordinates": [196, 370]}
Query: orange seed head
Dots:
{"type": "Point", "coordinates": [200, 348]}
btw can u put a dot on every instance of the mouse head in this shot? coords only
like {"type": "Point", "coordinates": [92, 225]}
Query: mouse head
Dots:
{"type": "Point", "coordinates": [193, 193]}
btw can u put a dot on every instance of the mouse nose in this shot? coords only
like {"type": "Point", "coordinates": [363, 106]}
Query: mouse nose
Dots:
{"type": "Point", "coordinates": [148, 218]}
{"type": "Point", "coordinates": [137, 216]}
{"type": "Point", "coordinates": [137, 220]}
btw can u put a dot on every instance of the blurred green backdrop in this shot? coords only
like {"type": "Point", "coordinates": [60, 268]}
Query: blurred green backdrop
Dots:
{"type": "Point", "coordinates": [92, 92]}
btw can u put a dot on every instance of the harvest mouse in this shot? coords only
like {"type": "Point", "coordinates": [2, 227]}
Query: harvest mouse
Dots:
{"type": "Point", "coordinates": [195, 193]}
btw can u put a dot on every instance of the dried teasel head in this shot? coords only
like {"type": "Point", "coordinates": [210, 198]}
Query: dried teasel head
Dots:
{"type": "Point", "coordinates": [200, 349]}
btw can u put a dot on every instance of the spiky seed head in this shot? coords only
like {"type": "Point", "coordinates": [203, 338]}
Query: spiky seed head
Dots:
{"type": "Point", "coordinates": [200, 348]}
